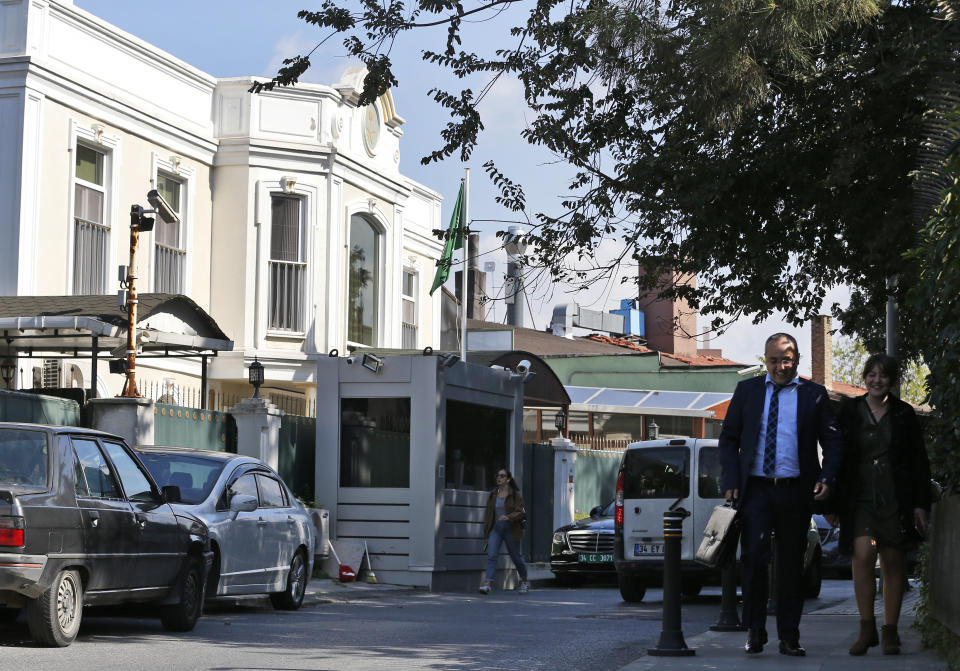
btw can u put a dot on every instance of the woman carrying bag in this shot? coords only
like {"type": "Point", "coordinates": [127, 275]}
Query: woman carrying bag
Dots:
{"type": "Point", "coordinates": [503, 523]}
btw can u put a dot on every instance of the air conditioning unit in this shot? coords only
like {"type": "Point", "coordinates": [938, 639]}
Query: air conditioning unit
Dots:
{"type": "Point", "coordinates": [51, 373]}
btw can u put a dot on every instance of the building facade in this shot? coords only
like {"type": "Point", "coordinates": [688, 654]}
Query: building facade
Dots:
{"type": "Point", "coordinates": [298, 234]}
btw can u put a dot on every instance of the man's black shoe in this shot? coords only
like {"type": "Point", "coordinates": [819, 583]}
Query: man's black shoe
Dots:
{"type": "Point", "coordinates": [792, 648]}
{"type": "Point", "coordinates": [756, 639]}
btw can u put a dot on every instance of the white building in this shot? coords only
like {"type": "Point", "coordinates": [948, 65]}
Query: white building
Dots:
{"type": "Point", "coordinates": [299, 234]}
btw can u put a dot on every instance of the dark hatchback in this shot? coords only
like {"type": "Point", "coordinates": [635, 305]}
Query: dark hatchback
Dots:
{"type": "Point", "coordinates": [585, 548]}
{"type": "Point", "coordinates": [83, 523]}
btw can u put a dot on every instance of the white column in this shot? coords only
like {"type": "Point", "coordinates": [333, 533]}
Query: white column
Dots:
{"type": "Point", "coordinates": [131, 418]}
{"type": "Point", "coordinates": [258, 430]}
{"type": "Point", "coordinates": [564, 469]}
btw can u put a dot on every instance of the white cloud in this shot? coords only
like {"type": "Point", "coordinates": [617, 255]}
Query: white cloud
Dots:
{"type": "Point", "coordinates": [324, 69]}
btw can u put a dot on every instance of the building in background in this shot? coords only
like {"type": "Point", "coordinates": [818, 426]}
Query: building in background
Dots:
{"type": "Point", "coordinates": [298, 234]}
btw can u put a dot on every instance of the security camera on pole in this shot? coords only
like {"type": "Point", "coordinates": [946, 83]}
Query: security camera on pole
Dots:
{"type": "Point", "coordinates": [138, 223]}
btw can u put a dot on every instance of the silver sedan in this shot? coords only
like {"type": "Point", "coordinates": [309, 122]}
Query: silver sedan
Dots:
{"type": "Point", "coordinates": [262, 537]}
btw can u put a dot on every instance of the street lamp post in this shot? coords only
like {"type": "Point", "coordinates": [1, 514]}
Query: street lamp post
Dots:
{"type": "Point", "coordinates": [138, 223]}
{"type": "Point", "coordinates": [255, 373]}
{"type": "Point", "coordinates": [560, 421]}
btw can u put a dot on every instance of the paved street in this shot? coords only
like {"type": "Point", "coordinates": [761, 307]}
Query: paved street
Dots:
{"type": "Point", "coordinates": [550, 628]}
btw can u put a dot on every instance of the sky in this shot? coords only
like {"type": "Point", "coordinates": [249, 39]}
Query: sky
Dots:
{"type": "Point", "coordinates": [230, 38]}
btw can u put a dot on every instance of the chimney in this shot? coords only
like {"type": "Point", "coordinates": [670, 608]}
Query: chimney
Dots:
{"type": "Point", "coordinates": [821, 346]}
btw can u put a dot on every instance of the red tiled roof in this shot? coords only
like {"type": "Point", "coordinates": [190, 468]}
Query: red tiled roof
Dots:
{"type": "Point", "coordinates": [619, 342]}
{"type": "Point", "coordinates": [704, 360]}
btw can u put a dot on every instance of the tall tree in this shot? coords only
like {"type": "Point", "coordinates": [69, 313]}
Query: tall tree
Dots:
{"type": "Point", "coordinates": [764, 146]}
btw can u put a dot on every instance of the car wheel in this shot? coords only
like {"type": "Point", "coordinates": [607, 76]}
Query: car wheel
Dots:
{"type": "Point", "coordinates": [569, 579]}
{"type": "Point", "coordinates": [291, 597]}
{"type": "Point", "coordinates": [813, 578]}
{"type": "Point", "coordinates": [183, 615]}
{"type": "Point", "coordinates": [54, 616]}
{"type": "Point", "coordinates": [690, 587]}
{"type": "Point", "coordinates": [631, 589]}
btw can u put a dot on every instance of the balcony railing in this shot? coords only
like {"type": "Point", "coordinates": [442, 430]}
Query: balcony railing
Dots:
{"type": "Point", "coordinates": [90, 245]}
{"type": "Point", "coordinates": [408, 338]}
{"type": "Point", "coordinates": [168, 269]}
{"type": "Point", "coordinates": [287, 282]}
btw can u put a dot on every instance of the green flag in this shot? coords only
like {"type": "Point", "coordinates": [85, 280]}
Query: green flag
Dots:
{"type": "Point", "coordinates": [454, 241]}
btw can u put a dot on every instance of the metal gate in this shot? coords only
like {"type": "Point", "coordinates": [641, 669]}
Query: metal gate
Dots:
{"type": "Point", "coordinates": [596, 479]}
{"type": "Point", "coordinates": [297, 455]}
{"type": "Point", "coordinates": [175, 425]}
{"type": "Point", "coordinates": [537, 489]}
{"type": "Point", "coordinates": [18, 406]}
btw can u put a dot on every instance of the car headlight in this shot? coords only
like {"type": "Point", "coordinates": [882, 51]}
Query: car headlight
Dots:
{"type": "Point", "coordinates": [560, 538]}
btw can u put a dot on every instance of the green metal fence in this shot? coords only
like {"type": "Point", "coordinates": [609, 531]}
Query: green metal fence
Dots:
{"type": "Point", "coordinates": [17, 406]}
{"type": "Point", "coordinates": [176, 425]}
{"type": "Point", "coordinates": [297, 454]}
{"type": "Point", "coordinates": [596, 479]}
{"type": "Point", "coordinates": [537, 489]}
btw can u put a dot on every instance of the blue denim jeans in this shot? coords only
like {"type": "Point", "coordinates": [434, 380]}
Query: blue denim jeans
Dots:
{"type": "Point", "coordinates": [501, 534]}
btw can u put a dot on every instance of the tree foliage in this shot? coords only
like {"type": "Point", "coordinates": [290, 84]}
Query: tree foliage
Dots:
{"type": "Point", "coordinates": [764, 146]}
{"type": "Point", "coordinates": [938, 327]}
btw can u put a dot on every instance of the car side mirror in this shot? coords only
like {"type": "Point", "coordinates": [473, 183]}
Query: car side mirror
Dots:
{"type": "Point", "coordinates": [170, 494]}
{"type": "Point", "coordinates": [243, 503]}
{"type": "Point", "coordinates": [595, 511]}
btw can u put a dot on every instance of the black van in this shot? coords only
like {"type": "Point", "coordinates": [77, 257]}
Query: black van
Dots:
{"type": "Point", "coordinates": [83, 523]}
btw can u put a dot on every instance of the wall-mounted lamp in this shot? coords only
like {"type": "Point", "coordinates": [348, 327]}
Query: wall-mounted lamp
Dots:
{"type": "Point", "coordinates": [560, 421]}
{"type": "Point", "coordinates": [256, 376]}
{"type": "Point", "coordinates": [372, 362]}
{"type": "Point", "coordinates": [653, 431]}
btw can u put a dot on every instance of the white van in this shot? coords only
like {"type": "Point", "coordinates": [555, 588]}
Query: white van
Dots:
{"type": "Point", "coordinates": [655, 476]}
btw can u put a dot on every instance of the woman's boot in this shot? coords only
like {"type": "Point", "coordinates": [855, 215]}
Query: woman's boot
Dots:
{"type": "Point", "coordinates": [890, 640]}
{"type": "Point", "coordinates": [867, 638]}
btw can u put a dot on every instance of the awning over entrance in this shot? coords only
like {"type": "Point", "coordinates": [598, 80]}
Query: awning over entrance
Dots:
{"type": "Point", "coordinates": [168, 325]}
{"type": "Point", "coordinates": [543, 390]}
{"type": "Point", "coordinates": [649, 402]}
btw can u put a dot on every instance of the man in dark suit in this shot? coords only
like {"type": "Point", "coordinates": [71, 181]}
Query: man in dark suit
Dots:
{"type": "Point", "coordinates": [769, 461]}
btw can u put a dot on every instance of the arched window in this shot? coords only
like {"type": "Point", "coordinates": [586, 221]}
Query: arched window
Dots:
{"type": "Point", "coordinates": [363, 289]}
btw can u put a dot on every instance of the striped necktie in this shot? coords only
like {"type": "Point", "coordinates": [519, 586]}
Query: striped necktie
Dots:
{"type": "Point", "coordinates": [770, 444]}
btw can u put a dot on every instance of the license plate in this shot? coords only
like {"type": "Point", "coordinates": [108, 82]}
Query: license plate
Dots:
{"type": "Point", "coordinates": [594, 558]}
{"type": "Point", "coordinates": [647, 549]}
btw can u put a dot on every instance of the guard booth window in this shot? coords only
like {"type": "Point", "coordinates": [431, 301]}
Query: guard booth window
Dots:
{"type": "Point", "coordinates": [375, 442]}
{"type": "Point", "coordinates": [477, 442]}
{"type": "Point", "coordinates": [657, 473]}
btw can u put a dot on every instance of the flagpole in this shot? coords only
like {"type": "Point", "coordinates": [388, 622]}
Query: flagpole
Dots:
{"type": "Point", "coordinates": [464, 226]}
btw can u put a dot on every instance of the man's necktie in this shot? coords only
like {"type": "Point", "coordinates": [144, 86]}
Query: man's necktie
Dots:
{"type": "Point", "coordinates": [770, 445]}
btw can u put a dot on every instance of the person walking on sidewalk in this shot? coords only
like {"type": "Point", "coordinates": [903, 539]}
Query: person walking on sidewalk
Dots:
{"type": "Point", "coordinates": [769, 462]}
{"type": "Point", "coordinates": [503, 523]}
{"type": "Point", "coordinates": [883, 497]}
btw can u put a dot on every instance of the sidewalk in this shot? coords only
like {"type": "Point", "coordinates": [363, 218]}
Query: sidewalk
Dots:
{"type": "Point", "coordinates": [826, 633]}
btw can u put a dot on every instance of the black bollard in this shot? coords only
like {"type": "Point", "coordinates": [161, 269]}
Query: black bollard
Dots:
{"type": "Point", "coordinates": [671, 642]}
{"type": "Point", "coordinates": [729, 615]}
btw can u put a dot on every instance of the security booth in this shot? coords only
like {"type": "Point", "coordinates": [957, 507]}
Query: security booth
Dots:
{"type": "Point", "coordinates": [407, 449]}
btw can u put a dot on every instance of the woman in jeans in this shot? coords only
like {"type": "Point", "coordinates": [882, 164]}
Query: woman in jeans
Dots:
{"type": "Point", "coordinates": [503, 523]}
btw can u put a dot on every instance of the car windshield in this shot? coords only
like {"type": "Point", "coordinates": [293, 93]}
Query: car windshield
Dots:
{"type": "Point", "coordinates": [657, 473]}
{"type": "Point", "coordinates": [23, 457]}
{"type": "Point", "coordinates": [195, 476]}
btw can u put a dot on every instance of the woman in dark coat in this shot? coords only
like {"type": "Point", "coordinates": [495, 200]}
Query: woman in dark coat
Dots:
{"type": "Point", "coordinates": [883, 497]}
{"type": "Point", "coordinates": [503, 523]}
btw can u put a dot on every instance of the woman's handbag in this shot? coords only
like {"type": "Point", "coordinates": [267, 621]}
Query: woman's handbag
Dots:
{"type": "Point", "coordinates": [720, 536]}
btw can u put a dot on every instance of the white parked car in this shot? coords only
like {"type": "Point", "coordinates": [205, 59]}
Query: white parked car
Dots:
{"type": "Point", "coordinates": [261, 535]}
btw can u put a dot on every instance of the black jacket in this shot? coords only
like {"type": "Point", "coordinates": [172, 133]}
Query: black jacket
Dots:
{"type": "Point", "coordinates": [908, 460]}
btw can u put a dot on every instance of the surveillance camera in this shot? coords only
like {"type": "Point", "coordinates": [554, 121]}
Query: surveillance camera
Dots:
{"type": "Point", "coordinates": [523, 367]}
{"type": "Point", "coordinates": [162, 207]}
{"type": "Point", "coordinates": [351, 360]}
